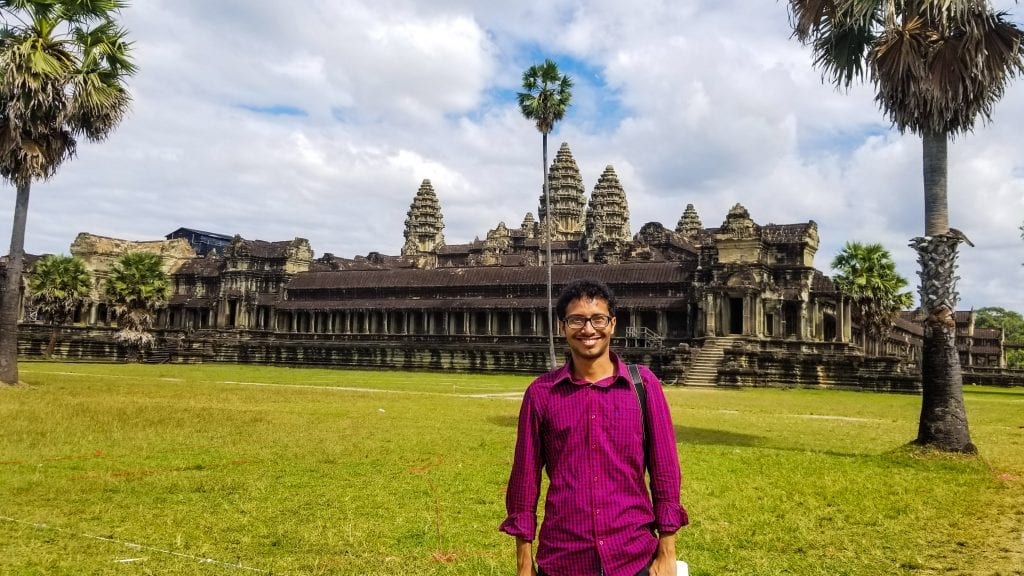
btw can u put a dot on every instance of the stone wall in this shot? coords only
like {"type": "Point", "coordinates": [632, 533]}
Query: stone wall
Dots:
{"type": "Point", "coordinates": [435, 353]}
{"type": "Point", "coordinates": [747, 363]}
{"type": "Point", "coordinates": [807, 364]}
{"type": "Point", "coordinates": [993, 376]}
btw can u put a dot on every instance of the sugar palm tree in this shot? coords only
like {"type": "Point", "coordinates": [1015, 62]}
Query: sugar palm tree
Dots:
{"type": "Point", "coordinates": [545, 97]}
{"type": "Point", "coordinates": [137, 287]}
{"type": "Point", "coordinates": [937, 67]}
{"type": "Point", "coordinates": [63, 64]}
{"type": "Point", "coordinates": [56, 286]}
{"type": "Point", "coordinates": [867, 274]}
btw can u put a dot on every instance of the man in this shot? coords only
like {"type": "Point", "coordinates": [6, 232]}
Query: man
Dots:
{"type": "Point", "coordinates": [582, 424]}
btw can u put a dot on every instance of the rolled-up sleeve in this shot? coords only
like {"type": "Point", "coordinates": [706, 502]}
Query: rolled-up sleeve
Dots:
{"type": "Point", "coordinates": [524, 481]}
{"type": "Point", "coordinates": [663, 460]}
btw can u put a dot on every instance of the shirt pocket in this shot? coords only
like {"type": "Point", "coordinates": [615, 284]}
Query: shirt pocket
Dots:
{"type": "Point", "coordinates": [623, 425]}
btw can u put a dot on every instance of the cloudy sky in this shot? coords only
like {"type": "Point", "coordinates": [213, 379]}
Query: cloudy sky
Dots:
{"type": "Point", "coordinates": [320, 118]}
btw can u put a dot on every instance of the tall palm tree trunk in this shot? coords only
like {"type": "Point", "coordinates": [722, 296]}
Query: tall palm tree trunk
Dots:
{"type": "Point", "coordinates": [943, 422]}
{"type": "Point", "coordinates": [52, 344]}
{"type": "Point", "coordinates": [935, 154]}
{"type": "Point", "coordinates": [11, 303]}
{"type": "Point", "coordinates": [547, 249]}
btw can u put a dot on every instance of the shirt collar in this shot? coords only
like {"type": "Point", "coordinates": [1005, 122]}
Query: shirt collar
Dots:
{"type": "Point", "coordinates": [565, 373]}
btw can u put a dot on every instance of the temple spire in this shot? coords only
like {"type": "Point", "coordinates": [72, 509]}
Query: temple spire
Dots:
{"type": "Point", "coordinates": [689, 225]}
{"type": "Point", "coordinates": [607, 222]}
{"type": "Point", "coordinates": [567, 197]}
{"type": "Point", "coordinates": [424, 226]}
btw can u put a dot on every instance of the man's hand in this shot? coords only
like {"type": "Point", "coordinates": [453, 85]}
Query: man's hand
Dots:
{"type": "Point", "coordinates": [663, 566]}
{"type": "Point", "coordinates": [664, 563]}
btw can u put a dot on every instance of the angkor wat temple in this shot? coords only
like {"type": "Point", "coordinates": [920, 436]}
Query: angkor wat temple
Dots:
{"type": "Point", "coordinates": [736, 304]}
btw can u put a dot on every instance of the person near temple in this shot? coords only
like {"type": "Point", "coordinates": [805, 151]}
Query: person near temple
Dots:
{"type": "Point", "coordinates": [587, 427]}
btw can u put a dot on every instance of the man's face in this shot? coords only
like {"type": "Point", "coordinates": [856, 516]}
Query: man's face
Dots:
{"type": "Point", "coordinates": [588, 342]}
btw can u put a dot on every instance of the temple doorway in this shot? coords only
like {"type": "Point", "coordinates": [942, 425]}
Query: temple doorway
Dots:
{"type": "Point", "coordinates": [735, 315]}
{"type": "Point", "coordinates": [830, 328]}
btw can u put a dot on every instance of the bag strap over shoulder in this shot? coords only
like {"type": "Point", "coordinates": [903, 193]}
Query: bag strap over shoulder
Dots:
{"type": "Point", "coordinates": [641, 396]}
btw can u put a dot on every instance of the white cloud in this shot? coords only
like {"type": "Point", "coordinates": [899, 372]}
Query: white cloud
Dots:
{"type": "Point", "coordinates": [320, 119]}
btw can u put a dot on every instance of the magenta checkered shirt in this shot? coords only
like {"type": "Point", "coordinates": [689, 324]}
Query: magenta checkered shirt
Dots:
{"type": "Point", "coordinates": [598, 513]}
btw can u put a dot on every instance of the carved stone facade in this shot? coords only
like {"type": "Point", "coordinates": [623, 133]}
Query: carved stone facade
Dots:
{"type": "Point", "coordinates": [237, 290]}
{"type": "Point", "coordinates": [99, 253]}
{"type": "Point", "coordinates": [742, 298]}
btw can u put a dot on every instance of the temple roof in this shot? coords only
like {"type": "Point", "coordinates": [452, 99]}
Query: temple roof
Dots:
{"type": "Point", "coordinates": [786, 233]}
{"type": "Point", "coordinates": [26, 263]}
{"type": "Point", "coordinates": [822, 283]}
{"type": "Point", "coordinates": [208, 267]}
{"type": "Point", "coordinates": [463, 304]}
{"type": "Point", "coordinates": [906, 323]}
{"type": "Point", "coordinates": [992, 333]}
{"type": "Point", "coordinates": [261, 248]}
{"type": "Point", "coordinates": [622, 274]}
{"type": "Point", "coordinates": [372, 261]}
{"type": "Point", "coordinates": [201, 233]}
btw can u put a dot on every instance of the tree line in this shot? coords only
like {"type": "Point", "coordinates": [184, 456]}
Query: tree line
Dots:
{"type": "Point", "coordinates": [136, 287]}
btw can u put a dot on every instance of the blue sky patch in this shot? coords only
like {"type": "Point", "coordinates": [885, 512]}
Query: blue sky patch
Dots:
{"type": "Point", "coordinates": [276, 110]}
{"type": "Point", "coordinates": [839, 142]}
{"type": "Point", "coordinates": [595, 107]}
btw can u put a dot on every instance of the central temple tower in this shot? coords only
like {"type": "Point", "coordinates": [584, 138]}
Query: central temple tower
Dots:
{"type": "Point", "coordinates": [568, 205]}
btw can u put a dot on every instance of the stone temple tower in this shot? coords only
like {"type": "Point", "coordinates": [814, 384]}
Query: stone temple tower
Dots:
{"type": "Point", "coordinates": [567, 199]}
{"type": "Point", "coordinates": [689, 225]}
{"type": "Point", "coordinates": [607, 222]}
{"type": "Point", "coordinates": [424, 227]}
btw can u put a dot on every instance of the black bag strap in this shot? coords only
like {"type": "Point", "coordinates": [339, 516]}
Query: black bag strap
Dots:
{"type": "Point", "coordinates": [641, 397]}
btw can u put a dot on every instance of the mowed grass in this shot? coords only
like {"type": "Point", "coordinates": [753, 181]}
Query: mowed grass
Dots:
{"type": "Point", "coordinates": [123, 469]}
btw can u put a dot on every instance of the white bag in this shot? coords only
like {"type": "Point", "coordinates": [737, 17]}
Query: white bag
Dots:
{"type": "Point", "coordinates": [682, 569]}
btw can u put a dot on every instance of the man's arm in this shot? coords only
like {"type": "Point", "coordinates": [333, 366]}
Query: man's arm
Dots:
{"type": "Point", "coordinates": [524, 483]}
{"type": "Point", "coordinates": [663, 460]}
{"type": "Point", "coordinates": [665, 558]}
{"type": "Point", "coordinates": [524, 558]}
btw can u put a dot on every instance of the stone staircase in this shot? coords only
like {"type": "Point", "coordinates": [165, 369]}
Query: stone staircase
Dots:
{"type": "Point", "coordinates": [159, 354]}
{"type": "Point", "coordinates": [704, 370]}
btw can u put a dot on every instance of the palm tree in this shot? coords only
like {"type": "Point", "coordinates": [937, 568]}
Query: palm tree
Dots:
{"type": "Point", "coordinates": [137, 287]}
{"type": "Point", "coordinates": [867, 274]}
{"type": "Point", "coordinates": [937, 66]}
{"type": "Point", "coordinates": [57, 285]}
{"type": "Point", "coordinates": [546, 95]}
{"type": "Point", "coordinates": [63, 66]}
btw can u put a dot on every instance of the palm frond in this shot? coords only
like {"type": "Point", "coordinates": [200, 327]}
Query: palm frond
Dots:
{"type": "Point", "coordinates": [546, 95]}
{"type": "Point", "coordinates": [57, 85]}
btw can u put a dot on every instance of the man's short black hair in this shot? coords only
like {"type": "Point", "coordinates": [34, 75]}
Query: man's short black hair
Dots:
{"type": "Point", "coordinates": [584, 288]}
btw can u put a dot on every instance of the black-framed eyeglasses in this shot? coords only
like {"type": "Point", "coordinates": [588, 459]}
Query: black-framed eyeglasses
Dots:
{"type": "Point", "coordinates": [598, 321]}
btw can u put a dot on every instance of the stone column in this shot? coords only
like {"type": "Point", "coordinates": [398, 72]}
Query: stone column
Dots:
{"type": "Point", "coordinates": [819, 322]}
{"type": "Point", "coordinates": [803, 320]}
{"type": "Point", "coordinates": [847, 321]}
{"type": "Point", "coordinates": [709, 314]}
{"type": "Point", "coordinates": [758, 316]}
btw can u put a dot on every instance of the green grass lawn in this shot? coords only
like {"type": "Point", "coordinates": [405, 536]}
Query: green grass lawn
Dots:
{"type": "Point", "coordinates": [117, 469]}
